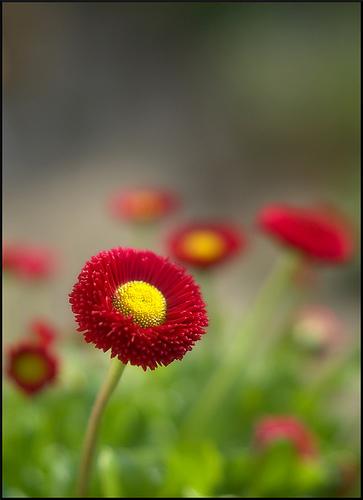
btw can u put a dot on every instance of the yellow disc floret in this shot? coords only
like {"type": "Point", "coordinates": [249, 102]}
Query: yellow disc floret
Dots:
{"type": "Point", "coordinates": [144, 302]}
{"type": "Point", "coordinates": [204, 244]}
{"type": "Point", "coordinates": [30, 368]}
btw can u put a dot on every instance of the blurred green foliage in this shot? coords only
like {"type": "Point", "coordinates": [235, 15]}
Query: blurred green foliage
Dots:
{"type": "Point", "coordinates": [142, 451]}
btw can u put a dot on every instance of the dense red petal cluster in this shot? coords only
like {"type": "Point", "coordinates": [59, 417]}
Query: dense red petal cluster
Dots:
{"type": "Point", "coordinates": [104, 325]}
{"type": "Point", "coordinates": [31, 366]}
{"type": "Point", "coordinates": [143, 204]}
{"type": "Point", "coordinates": [28, 261]}
{"type": "Point", "coordinates": [274, 428]}
{"type": "Point", "coordinates": [44, 332]}
{"type": "Point", "coordinates": [318, 233]}
{"type": "Point", "coordinates": [205, 245]}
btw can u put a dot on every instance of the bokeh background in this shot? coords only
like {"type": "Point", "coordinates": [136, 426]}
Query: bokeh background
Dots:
{"type": "Point", "coordinates": [232, 106]}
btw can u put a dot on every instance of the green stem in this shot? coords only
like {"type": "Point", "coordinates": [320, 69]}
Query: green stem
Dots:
{"type": "Point", "coordinates": [325, 380]}
{"type": "Point", "coordinates": [143, 236]}
{"type": "Point", "coordinates": [113, 376]}
{"type": "Point", "coordinates": [241, 346]}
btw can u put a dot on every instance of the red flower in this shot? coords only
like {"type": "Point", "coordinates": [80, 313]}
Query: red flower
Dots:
{"type": "Point", "coordinates": [319, 233]}
{"type": "Point", "coordinates": [317, 328]}
{"type": "Point", "coordinates": [31, 366]}
{"type": "Point", "coordinates": [205, 244]}
{"type": "Point", "coordinates": [144, 308]}
{"type": "Point", "coordinates": [143, 205]}
{"type": "Point", "coordinates": [28, 262]}
{"type": "Point", "coordinates": [274, 428]}
{"type": "Point", "coordinates": [43, 331]}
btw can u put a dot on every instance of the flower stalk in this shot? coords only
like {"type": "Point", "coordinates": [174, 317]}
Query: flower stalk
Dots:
{"type": "Point", "coordinates": [115, 371]}
{"type": "Point", "coordinates": [242, 345]}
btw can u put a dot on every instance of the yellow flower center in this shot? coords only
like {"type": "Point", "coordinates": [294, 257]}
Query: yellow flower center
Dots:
{"type": "Point", "coordinates": [30, 368]}
{"type": "Point", "coordinates": [144, 302]}
{"type": "Point", "coordinates": [206, 245]}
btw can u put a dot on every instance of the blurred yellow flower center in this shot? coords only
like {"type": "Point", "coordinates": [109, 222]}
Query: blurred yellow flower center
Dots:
{"type": "Point", "coordinates": [144, 302]}
{"type": "Point", "coordinates": [204, 244]}
{"type": "Point", "coordinates": [30, 368]}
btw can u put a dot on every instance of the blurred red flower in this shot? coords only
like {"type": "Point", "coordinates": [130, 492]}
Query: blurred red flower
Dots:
{"type": "Point", "coordinates": [44, 331]}
{"type": "Point", "coordinates": [273, 428]}
{"type": "Point", "coordinates": [143, 204]}
{"type": "Point", "coordinates": [28, 261]}
{"type": "Point", "coordinates": [143, 307]}
{"type": "Point", "coordinates": [205, 245]}
{"type": "Point", "coordinates": [31, 366]}
{"type": "Point", "coordinates": [319, 233]}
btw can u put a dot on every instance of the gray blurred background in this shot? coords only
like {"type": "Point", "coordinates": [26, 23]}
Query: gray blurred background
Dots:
{"type": "Point", "coordinates": [232, 105]}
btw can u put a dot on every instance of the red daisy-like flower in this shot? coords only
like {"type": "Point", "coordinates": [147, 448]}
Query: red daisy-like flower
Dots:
{"type": "Point", "coordinates": [317, 328]}
{"type": "Point", "coordinates": [273, 428]}
{"type": "Point", "coordinates": [28, 261]}
{"type": "Point", "coordinates": [318, 233]}
{"type": "Point", "coordinates": [44, 331]}
{"type": "Point", "coordinates": [205, 245]}
{"type": "Point", "coordinates": [143, 307]}
{"type": "Point", "coordinates": [143, 204]}
{"type": "Point", "coordinates": [31, 366]}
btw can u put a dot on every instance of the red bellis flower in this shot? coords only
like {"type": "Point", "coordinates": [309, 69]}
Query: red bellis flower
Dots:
{"type": "Point", "coordinates": [28, 262]}
{"type": "Point", "coordinates": [318, 233]}
{"type": "Point", "coordinates": [143, 205]}
{"type": "Point", "coordinates": [205, 245]}
{"type": "Point", "coordinates": [271, 429]}
{"type": "Point", "coordinates": [31, 366]}
{"type": "Point", "coordinates": [144, 308]}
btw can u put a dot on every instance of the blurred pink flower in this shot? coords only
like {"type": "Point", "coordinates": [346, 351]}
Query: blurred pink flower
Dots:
{"type": "Point", "coordinates": [318, 328]}
{"type": "Point", "coordinates": [273, 428]}
{"type": "Point", "coordinates": [28, 262]}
